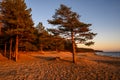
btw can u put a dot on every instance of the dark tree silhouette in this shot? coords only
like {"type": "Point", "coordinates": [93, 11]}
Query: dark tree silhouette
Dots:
{"type": "Point", "coordinates": [69, 26]}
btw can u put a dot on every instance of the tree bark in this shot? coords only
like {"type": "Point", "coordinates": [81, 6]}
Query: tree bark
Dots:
{"type": "Point", "coordinates": [56, 47]}
{"type": "Point", "coordinates": [73, 47]}
{"type": "Point", "coordinates": [41, 47]}
{"type": "Point", "coordinates": [16, 49]}
{"type": "Point", "coordinates": [10, 48]}
{"type": "Point", "coordinates": [5, 49]}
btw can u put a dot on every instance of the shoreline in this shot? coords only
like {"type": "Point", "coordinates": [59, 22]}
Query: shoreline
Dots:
{"type": "Point", "coordinates": [105, 54]}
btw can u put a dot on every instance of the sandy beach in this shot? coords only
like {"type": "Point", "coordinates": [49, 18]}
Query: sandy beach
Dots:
{"type": "Point", "coordinates": [59, 66]}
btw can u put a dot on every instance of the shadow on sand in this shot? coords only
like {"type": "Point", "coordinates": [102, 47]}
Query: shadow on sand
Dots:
{"type": "Point", "coordinates": [52, 58]}
{"type": "Point", "coordinates": [111, 62]}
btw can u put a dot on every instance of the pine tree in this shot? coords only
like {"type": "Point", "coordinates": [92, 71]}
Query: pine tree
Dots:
{"type": "Point", "coordinates": [57, 42]}
{"type": "Point", "coordinates": [17, 21]}
{"type": "Point", "coordinates": [69, 26]}
{"type": "Point", "coordinates": [43, 37]}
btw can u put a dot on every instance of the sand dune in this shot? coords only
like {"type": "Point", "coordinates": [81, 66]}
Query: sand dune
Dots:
{"type": "Point", "coordinates": [45, 66]}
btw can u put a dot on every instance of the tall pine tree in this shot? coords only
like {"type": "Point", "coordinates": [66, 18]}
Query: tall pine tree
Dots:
{"type": "Point", "coordinates": [17, 21]}
{"type": "Point", "coordinates": [69, 26]}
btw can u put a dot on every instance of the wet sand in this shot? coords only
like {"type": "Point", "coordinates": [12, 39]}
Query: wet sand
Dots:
{"type": "Point", "coordinates": [59, 66]}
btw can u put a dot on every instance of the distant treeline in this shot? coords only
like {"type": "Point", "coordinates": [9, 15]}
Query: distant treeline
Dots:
{"type": "Point", "coordinates": [87, 50]}
{"type": "Point", "coordinates": [99, 51]}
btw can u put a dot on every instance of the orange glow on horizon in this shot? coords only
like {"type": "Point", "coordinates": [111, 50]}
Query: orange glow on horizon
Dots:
{"type": "Point", "coordinates": [103, 46]}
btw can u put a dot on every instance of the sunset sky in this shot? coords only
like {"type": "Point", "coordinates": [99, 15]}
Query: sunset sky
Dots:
{"type": "Point", "coordinates": [104, 15]}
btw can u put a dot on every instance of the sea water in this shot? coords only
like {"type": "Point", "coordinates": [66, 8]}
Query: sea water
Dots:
{"type": "Point", "coordinates": [111, 54]}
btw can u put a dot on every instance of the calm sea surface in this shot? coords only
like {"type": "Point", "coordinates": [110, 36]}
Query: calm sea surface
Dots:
{"type": "Point", "coordinates": [111, 54]}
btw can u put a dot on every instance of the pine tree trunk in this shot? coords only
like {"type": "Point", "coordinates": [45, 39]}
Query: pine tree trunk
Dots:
{"type": "Point", "coordinates": [10, 48]}
{"type": "Point", "coordinates": [56, 47]}
{"type": "Point", "coordinates": [5, 49]}
{"type": "Point", "coordinates": [73, 47]}
{"type": "Point", "coordinates": [0, 30]}
{"type": "Point", "coordinates": [16, 49]}
{"type": "Point", "coordinates": [41, 47]}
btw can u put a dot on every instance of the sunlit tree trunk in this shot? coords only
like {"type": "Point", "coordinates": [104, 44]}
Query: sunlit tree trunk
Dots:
{"type": "Point", "coordinates": [41, 47]}
{"type": "Point", "coordinates": [0, 30]}
{"type": "Point", "coordinates": [16, 49]}
{"type": "Point", "coordinates": [73, 47]}
{"type": "Point", "coordinates": [56, 49]}
{"type": "Point", "coordinates": [5, 49]}
{"type": "Point", "coordinates": [10, 48]}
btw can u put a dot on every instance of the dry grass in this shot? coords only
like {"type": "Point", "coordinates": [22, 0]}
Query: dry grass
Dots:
{"type": "Point", "coordinates": [45, 66]}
